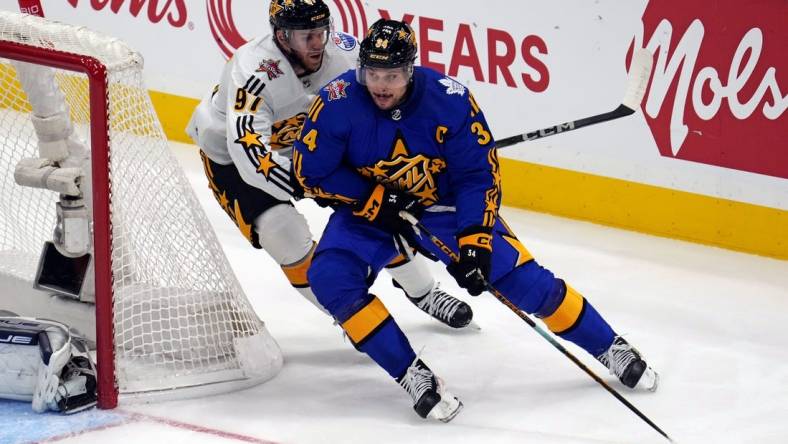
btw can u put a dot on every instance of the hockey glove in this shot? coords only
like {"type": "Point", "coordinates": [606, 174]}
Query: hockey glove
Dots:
{"type": "Point", "coordinates": [472, 270]}
{"type": "Point", "coordinates": [382, 209]}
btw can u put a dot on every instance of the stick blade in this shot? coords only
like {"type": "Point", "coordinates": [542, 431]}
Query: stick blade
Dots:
{"type": "Point", "coordinates": [639, 75]}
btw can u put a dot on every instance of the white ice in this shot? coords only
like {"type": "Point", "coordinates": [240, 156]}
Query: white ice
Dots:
{"type": "Point", "coordinates": [712, 322]}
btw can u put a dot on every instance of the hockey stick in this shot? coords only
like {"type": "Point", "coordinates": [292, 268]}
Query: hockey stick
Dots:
{"type": "Point", "coordinates": [421, 230]}
{"type": "Point", "coordinates": [639, 75]}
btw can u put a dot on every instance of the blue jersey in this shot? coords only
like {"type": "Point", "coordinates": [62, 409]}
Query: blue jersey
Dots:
{"type": "Point", "coordinates": [436, 146]}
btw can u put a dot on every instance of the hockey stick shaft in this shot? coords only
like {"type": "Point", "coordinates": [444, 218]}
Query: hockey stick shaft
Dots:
{"type": "Point", "coordinates": [621, 111]}
{"type": "Point", "coordinates": [542, 332]}
{"type": "Point", "coordinates": [637, 82]}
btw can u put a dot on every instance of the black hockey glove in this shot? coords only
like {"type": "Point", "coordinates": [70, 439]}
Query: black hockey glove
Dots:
{"type": "Point", "coordinates": [472, 271]}
{"type": "Point", "coordinates": [382, 209]}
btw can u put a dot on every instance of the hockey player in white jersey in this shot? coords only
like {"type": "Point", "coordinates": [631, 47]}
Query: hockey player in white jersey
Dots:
{"type": "Point", "coordinates": [245, 129]}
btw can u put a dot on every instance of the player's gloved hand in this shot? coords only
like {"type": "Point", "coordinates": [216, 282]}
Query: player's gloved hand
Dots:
{"type": "Point", "coordinates": [382, 208]}
{"type": "Point", "coordinates": [472, 271]}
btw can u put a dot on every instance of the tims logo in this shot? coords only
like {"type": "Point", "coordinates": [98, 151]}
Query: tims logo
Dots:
{"type": "Point", "coordinates": [156, 10]}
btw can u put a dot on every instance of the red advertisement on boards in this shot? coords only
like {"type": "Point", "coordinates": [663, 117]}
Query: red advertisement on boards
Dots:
{"type": "Point", "coordinates": [717, 92]}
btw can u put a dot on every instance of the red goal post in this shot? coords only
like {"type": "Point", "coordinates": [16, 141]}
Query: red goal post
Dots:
{"type": "Point", "coordinates": [99, 136]}
{"type": "Point", "coordinates": [170, 318]}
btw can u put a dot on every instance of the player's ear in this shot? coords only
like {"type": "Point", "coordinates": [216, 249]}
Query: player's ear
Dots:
{"type": "Point", "coordinates": [281, 37]}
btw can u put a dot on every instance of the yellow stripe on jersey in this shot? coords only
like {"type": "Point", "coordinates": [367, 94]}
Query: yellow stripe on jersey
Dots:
{"type": "Point", "coordinates": [315, 108]}
{"type": "Point", "coordinates": [567, 314]}
{"type": "Point", "coordinates": [474, 106]}
{"type": "Point", "coordinates": [317, 100]}
{"type": "Point", "coordinates": [491, 197]}
{"type": "Point", "coordinates": [297, 169]}
{"type": "Point", "coordinates": [317, 112]}
{"type": "Point", "coordinates": [296, 273]}
{"type": "Point", "coordinates": [366, 320]}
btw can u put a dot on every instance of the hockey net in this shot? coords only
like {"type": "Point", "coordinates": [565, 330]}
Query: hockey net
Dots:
{"type": "Point", "coordinates": [171, 318]}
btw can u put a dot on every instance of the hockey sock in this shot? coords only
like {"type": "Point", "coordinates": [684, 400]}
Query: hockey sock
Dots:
{"type": "Point", "coordinates": [576, 320]}
{"type": "Point", "coordinates": [373, 331]}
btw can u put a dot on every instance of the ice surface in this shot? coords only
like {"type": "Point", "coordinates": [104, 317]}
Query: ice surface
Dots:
{"type": "Point", "coordinates": [713, 322]}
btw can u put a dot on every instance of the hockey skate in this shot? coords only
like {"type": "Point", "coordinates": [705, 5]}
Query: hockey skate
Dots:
{"type": "Point", "coordinates": [430, 398]}
{"type": "Point", "coordinates": [443, 307]}
{"type": "Point", "coordinates": [626, 363]}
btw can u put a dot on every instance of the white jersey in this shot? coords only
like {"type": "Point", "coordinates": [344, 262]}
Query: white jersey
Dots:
{"type": "Point", "coordinates": [253, 116]}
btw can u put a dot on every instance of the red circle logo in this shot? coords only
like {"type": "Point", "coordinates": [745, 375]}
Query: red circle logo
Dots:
{"type": "Point", "coordinates": [352, 19]}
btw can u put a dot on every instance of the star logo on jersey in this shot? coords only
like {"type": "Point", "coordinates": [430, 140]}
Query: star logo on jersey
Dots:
{"type": "Point", "coordinates": [249, 139]}
{"type": "Point", "coordinates": [414, 174]}
{"type": "Point", "coordinates": [265, 164]}
{"type": "Point", "coordinates": [337, 89]}
{"type": "Point", "coordinates": [452, 86]}
{"type": "Point", "coordinates": [271, 68]}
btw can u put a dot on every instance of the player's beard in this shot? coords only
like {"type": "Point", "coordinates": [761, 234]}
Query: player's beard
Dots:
{"type": "Point", "coordinates": [309, 62]}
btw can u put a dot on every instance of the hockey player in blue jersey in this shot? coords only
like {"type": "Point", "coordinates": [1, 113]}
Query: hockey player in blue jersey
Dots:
{"type": "Point", "coordinates": [245, 128]}
{"type": "Point", "coordinates": [391, 137]}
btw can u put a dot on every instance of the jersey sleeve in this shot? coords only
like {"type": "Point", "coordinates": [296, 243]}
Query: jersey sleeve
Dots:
{"type": "Point", "coordinates": [249, 115]}
{"type": "Point", "coordinates": [318, 156]}
{"type": "Point", "coordinates": [472, 164]}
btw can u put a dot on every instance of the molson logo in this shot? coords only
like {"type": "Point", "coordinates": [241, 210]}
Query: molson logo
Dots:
{"type": "Point", "coordinates": [715, 94]}
{"type": "Point", "coordinates": [157, 10]}
{"type": "Point", "coordinates": [516, 61]}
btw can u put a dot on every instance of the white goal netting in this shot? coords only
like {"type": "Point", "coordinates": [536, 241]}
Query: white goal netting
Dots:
{"type": "Point", "coordinates": [180, 317]}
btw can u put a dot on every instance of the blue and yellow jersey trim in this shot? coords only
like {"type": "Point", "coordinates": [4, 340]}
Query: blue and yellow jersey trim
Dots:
{"type": "Point", "coordinates": [492, 197]}
{"type": "Point", "coordinates": [315, 191]}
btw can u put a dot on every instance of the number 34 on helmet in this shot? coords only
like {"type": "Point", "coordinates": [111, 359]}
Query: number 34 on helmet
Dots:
{"type": "Point", "coordinates": [389, 44]}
